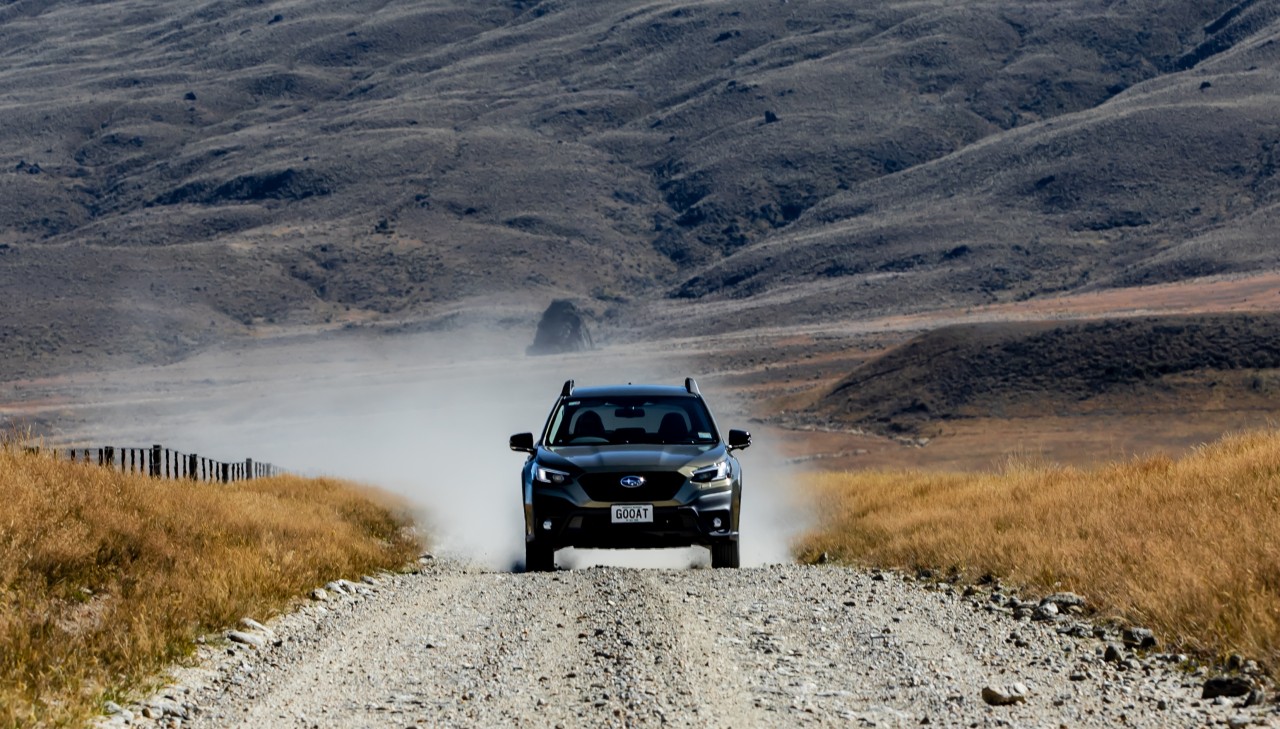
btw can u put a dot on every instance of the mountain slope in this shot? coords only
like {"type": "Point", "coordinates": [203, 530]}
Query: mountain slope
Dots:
{"type": "Point", "coordinates": [1172, 178]}
{"type": "Point", "coordinates": [178, 174]}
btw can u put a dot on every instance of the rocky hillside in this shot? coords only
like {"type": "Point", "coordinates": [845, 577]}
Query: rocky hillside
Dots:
{"type": "Point", "coordinates": [1140, 365]}
{"type": "Point", "coordinates": [174, 174]}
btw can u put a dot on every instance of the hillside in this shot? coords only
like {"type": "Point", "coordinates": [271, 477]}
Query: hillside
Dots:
{"type": "Point", "coordinates": [175, 175]}
{"type": "Point", "coordinates": [1144, 365]}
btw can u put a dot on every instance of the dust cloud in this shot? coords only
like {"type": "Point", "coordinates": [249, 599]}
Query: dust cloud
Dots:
{"type": "Point", "coordinates": [429, 418]}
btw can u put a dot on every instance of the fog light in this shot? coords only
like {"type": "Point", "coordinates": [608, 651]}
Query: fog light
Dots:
{"type": "Point", "coordinates": [716, 522]}
{"type": "Point", "coordinates": [546, 525]}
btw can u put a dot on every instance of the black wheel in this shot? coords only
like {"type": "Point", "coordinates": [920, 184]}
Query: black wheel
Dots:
{"type": "Point", "coordinates": [724, 554]}
{"type": "Point", "coordinates": [539, 557]}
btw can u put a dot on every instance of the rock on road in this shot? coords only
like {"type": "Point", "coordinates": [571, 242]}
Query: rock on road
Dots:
{"type": "Point", "coordinates": [786, 645]}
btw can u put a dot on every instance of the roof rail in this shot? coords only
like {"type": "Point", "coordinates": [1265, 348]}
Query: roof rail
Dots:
{"type": "Point", "coordinates": [691, 385]}
{"type": "Point", "coordinates": [567, 390]}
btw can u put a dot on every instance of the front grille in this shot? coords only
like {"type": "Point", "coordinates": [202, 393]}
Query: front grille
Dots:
{"type": "Point", "coordinates": [658, 486]}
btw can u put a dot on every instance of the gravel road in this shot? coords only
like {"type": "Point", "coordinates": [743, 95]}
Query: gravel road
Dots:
{"type": "Point", "coordinates": [784, 645]}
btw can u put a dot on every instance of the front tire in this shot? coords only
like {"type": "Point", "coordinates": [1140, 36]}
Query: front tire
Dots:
{"type": "Point", "coordinates": [724, 554]}
{"type": "Point", "coordinates": [539, 557]}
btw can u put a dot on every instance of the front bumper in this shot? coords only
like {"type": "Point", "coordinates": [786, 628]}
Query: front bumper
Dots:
{"type": "Point", "coordinates": [590, 527]}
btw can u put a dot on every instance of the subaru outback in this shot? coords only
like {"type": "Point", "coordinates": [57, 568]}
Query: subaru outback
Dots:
{"type": "Point", "coordinates": [631, 467]}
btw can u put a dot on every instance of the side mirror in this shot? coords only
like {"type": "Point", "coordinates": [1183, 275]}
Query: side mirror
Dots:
{"type": "Point", "coordinates": [522, 442]}
{"type": "Point", "coordinates": [739, 439]}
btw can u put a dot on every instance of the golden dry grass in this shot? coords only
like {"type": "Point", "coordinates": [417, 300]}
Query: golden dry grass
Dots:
{"type": "Point", "coordinates": [106, 577]}
{"type": "Point", "coordinates": [1189, 547]}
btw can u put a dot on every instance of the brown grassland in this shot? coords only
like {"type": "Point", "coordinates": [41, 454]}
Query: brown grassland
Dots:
{"type": "Point", "coordinates": [106, 577]}
{"type": "Point", "coordinates": [1189, 547]}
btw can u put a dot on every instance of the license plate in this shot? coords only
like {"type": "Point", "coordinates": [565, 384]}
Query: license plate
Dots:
{"type": "Point", "coordinates": [632, 513]}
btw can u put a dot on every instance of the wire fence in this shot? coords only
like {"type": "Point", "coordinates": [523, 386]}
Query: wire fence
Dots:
{"type": "Point", "coordinates": [160, 462]}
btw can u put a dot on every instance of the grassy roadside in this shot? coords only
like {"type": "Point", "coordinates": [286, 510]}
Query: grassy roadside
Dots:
{"type": "Point", "coordinates": [1188, 547]}
{"type": "Point", "coordinates": [107, 577]}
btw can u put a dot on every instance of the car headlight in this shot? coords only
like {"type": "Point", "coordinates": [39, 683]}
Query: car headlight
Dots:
{"type": "Point", "coordinates": [718, 471]}
{"type": "Point", "coordinates": [547, 475]}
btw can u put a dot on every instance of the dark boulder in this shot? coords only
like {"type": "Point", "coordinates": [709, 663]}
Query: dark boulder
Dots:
{"type": "Point", "coordinates": [1230, 686]}
{"type": "Point", "coordinates": [563, 328]}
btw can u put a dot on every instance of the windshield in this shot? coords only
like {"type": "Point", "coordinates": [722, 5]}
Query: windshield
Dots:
{"type": "Point", "coordinates": [658, 420]}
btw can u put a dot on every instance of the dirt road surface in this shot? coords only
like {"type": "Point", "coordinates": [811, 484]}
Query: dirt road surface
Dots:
{"type": "Point", "coordinates": [782, 645]}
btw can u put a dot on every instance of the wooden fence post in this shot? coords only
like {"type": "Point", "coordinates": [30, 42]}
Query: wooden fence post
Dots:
{"type": "Point", "coordinates": [160, 462]}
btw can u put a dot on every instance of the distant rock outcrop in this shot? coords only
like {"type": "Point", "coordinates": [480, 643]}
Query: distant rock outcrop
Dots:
{"type": "Point", "coordinates": [562, 329]}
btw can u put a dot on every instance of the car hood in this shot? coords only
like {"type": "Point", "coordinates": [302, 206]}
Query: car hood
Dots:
{"type": "Point", "coordinates": [638, 457]}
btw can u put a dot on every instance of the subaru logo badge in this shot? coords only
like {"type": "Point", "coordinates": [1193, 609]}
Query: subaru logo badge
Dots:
{"type": "Point", "coordinates": [632, 482]}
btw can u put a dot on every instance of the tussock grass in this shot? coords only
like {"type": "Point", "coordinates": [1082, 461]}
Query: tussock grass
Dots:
{"type": "Point", "coordinates": [1188, 547]}
{"type": "Point", "coordinates": [106, 577]}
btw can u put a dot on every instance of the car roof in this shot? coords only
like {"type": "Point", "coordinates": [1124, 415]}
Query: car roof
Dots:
{"type": "Point", "coordinates": [631, 390]}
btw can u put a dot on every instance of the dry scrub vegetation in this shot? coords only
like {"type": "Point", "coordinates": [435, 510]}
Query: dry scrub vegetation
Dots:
{"type": "Point", "coordinates": [106, 577]}
{"type": "Point", "coordinates": [1189, 547]}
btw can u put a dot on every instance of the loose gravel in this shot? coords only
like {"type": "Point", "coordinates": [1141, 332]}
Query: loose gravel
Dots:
{"type": "Point", "coordinates": [786, 645]}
